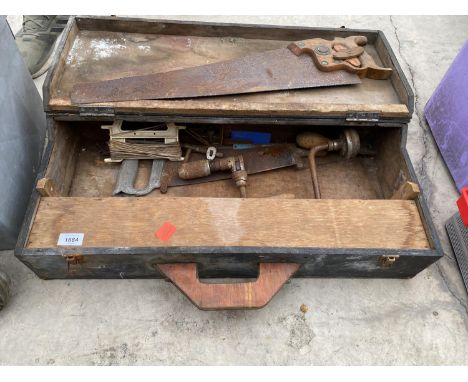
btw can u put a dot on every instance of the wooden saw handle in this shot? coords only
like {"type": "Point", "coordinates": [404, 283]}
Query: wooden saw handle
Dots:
{"type": "Point", "coordinates": [342, 54]}
{"type": "Point", "coordinates": [249, 295]}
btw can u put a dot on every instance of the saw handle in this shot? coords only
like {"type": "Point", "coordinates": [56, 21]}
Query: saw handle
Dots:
{"type": "Point", "coordinates": [341, 54]}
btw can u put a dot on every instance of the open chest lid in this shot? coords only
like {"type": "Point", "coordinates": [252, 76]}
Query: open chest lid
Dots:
{"type": "Point", "coordinates": [102, 48]}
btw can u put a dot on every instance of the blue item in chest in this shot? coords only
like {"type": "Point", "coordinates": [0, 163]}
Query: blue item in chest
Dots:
{"type": "Point", "coordinates": [251, 136]}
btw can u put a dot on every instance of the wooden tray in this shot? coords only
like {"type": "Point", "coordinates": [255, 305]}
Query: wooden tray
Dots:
{"type": "Point", "coordinates": [104, 48]}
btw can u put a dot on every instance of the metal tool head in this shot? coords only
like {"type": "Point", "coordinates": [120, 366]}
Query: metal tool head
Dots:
{"type": "Point", "coordinates": [128, 173]}
{"type": "Point", "coordinates": [350, 143]}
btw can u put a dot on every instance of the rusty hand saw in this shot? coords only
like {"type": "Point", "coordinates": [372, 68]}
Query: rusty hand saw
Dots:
{"type": "Point", "coordinates": [302, 64]}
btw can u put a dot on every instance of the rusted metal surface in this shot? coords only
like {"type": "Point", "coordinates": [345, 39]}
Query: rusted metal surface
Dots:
{"type": "Point", "coordinates": [258, 159]}
{"type": "Point", "coordinates": [348, 144]}
{"type": "Point", "coordinates": [387, 261]}
{"type": "Point", "coordinates": [195, 169]}
{"type": "Point", "coordinates": [313, 168]}
{"type": "Point", "coordinates": [169, 174]}
{"type": "Point", "coordinates": [278, 69]}
{"type": "Point", "coordinates": [240, 177]}
{"type": "Point", "coordinates": [72, 259]}
{"type": "Point", "coordinates": [203, 168]}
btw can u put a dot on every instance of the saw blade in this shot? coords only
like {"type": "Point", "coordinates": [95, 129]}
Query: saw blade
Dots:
{"type": "Point", "coordinates": [278, 69]}
{"type": "Point", "coordinates": [258, 159]}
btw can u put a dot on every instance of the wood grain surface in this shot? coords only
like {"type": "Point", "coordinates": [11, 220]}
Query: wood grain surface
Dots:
{"type": "Point", "coordinates": [246, 295]}
{"type": "Point", "coordinates": [100, 55]}
{"type": "Point", "coordinates": [339, 179]}
{"type": "Point", "coordinates": [133, 222]}
{"type": "Point", "coordinates": [407, 191]}
{"type": "Point", "coordinates": [47, 187]}
{"type": "Point", "coordinates": [61, 166]}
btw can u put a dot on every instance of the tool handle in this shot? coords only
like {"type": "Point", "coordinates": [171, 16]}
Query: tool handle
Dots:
{"type": "Point", "coordinates": [250, 295]}
{"type": "Point", "coordinates": [342, 54]}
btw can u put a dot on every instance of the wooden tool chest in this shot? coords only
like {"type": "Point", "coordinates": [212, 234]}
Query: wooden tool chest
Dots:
{"type": "Point", "coordinates": [371, 220]}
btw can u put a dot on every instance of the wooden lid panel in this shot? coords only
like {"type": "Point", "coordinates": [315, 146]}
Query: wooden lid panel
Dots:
{"type": "Point", "coordinates": [94, 55]}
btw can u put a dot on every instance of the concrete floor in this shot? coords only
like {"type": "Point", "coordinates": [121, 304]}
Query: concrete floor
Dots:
{"type": "Point", "coordinates": [420, 321]}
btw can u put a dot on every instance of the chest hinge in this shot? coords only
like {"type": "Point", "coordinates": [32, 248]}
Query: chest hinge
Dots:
{"type": "Point", "coordinates": [96, 111]}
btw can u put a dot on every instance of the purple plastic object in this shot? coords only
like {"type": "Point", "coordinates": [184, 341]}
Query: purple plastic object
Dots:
{"type": "Point", "coordinates": [447, 115]}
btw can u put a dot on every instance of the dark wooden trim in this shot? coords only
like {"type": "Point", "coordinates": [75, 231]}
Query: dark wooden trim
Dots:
{"type": "Point", "coordinates": [214, 29]}
{"type": "Point", "coordinates": [401, 75]}
{"type": "Point", "coordinates": [431, 231]}
{"type": "Point", "coordinates": [35, 197]}
{"type": "Point", "coordinates": [54, 67]}
{"type": "Point", "coordinates": [136, 117]}
{"type": "Point", "coordinates": [297, 254]}
{"type": "Point", "coordinates": [226, 262]}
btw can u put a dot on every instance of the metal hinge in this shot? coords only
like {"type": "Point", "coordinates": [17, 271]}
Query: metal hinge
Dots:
{"type": "Point", "coordinates": [96, 111]}
{"type": "Point", "coordinates": [386, 261]}
{"type": "Point", "coordinates": [362, 116]}
{"type": "Point", "coordinates": [72, 259]}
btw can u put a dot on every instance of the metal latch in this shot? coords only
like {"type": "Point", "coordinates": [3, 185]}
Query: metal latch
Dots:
{"type": "Point", "coordinates": [386, 261]}
{"type": "Point", "coordinates": [363, 116]}
{"type": "Point", "coordinates": [73, 259]}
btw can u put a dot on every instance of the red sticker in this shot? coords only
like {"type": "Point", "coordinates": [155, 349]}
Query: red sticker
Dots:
{"type": "Point", "coordinates": [165, 232]}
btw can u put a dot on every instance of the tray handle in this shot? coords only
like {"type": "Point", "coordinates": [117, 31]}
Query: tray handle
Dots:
{"type": "Point", "coordinates": [248, 295]}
